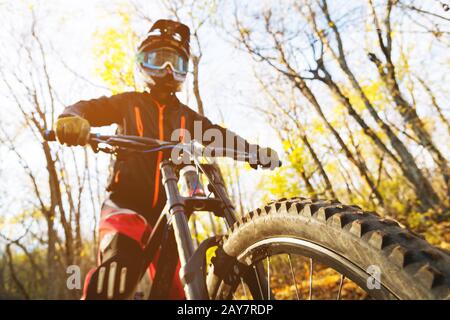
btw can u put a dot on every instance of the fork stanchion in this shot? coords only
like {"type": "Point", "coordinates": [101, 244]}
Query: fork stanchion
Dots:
{"type": "Point", "coordinates": [179, 223]}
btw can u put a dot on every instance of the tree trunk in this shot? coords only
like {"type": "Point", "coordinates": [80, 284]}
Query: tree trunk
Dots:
{"type": "Point", "coordinates": [300, 84]}
{"type": "Point", "coordinates": [196, 88]}
{"type": "Point", "coordinates": [423, 189]}
{"type": "Point", "coordinates": [311, 192]}
{"type": "Point", "coordinates": [406, 110]}
{"type": "Point", "coordinates": [304, 138]}
{"type": "Point", "coordinates": [52, 270]}
{"type": "Point", "coordinates": [435, 104]}
{"type": "Point", "coordinates": [14, 277]}
{"type": "Point", "coordinates": [318, 163]}
{"type": "Point", "coordinates": [56, 201]}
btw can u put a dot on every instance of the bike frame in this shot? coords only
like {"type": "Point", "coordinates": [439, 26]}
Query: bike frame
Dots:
{"type": "Point", "coordinates": [176, 240]}
{"type": "Point", "coordinates": [171, 233]}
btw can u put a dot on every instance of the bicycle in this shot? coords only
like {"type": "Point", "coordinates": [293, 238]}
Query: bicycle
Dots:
{"type": "Point", "coordinates": [342, 237]}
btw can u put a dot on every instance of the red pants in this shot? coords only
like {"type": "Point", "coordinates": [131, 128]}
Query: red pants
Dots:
{"type": "Point", "coordinates": [123, 234]}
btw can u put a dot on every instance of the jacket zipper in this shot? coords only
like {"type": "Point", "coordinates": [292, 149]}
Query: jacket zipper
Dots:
{"type": "Point", "coordinates": [160, 153]}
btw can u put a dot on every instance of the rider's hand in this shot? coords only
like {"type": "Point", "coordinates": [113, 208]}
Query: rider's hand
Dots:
{"type": "Point", "coordinates": [267, 158]}
{"type": "Point", "coordinates": [72, 130]}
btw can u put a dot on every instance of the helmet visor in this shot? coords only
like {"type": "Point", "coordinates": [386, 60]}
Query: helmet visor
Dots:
{"type": "Point", "coordinates": [160, 58]}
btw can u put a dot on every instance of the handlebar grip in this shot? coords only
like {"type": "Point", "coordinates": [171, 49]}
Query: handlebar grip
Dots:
{"type": "Point", "coordinates": [50, 135]}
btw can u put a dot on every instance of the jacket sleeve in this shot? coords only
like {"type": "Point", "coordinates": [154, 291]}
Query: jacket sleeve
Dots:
{"type": "Point", "coordinates": [99, 112]}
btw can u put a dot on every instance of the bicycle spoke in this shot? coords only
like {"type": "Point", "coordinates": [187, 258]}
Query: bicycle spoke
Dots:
{"type": "Point", "coordinates": [268, 277]}
{"type": "Point", "coordinates": [293, 276]}
{"type": "Point", "coordinates": [212, 222]}
{"type": "Point", "coordinates": [340, 287]}
{"type": "Point", "coordinates": [243, 288]}
{"type": "Point", "coordinates": [257, 280]}
{"type": "Point", "coordinates": [310, 277]}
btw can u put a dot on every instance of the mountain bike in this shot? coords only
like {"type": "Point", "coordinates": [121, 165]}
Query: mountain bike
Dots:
{"type": "Point", "coordinates": [287, 240]}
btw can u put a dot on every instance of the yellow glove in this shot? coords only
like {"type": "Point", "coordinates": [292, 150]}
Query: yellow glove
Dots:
{"type": "Point", "coordinates": [72, 130]}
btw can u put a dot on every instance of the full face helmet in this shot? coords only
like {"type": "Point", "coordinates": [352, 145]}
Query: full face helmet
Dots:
{"type": "Point", "coordinates": [163, 56]}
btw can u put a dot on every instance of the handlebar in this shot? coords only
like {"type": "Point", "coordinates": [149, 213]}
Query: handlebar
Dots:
{"type": "Point", "coordinates": [50, 135]}
{"type": "Point", "coordinates": [144, 144]}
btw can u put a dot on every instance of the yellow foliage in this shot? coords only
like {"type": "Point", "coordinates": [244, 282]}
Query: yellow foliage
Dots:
{"type": "Point", "coordinates": [317, 126]}
{"type": "Point", "coordinates": [375, 94]}
{"type": "Point", "coordinates": [429, 123]}
{"type": "Point", "coordinates": [286, 145]}
{"type": "Point", "coordinates": [115, 50]}
{"type": "Point", "coordinates": [402, 66]}
{"type": "Point", "coordinates": [374, 91]}
{"type": "Point", "coordinates": [338, 111]}
{"type": "Point", "coordinates": [20, 217]}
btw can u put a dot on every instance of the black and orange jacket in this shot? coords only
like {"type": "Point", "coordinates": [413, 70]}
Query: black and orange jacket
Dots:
{"type": "Point", "coordinates": [135, 182]}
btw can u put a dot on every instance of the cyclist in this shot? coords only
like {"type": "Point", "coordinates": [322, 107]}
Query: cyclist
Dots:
{"type": "Point", "coordinates": [136, 196]}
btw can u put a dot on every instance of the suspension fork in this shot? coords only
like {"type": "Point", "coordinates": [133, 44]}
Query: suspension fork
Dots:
{"type": "Point", "coordinates": [193, 282]}
{"type": "Point", "coordinates": [178, 220]}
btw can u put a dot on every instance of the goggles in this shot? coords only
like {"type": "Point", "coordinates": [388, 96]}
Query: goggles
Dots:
{"type": "Point", "coordinates": [160, 58]}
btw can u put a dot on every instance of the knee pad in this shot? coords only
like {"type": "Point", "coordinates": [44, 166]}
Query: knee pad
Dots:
{"type": "Point", "coordinates": [119, 271]}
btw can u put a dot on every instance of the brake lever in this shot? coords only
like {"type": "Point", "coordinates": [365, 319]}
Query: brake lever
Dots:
{"type": "Point", "coordinates": [94, 145]}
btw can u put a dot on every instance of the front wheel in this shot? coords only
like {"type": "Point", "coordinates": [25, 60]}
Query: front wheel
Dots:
{"type": "Point", "coordinates": [280, 250]}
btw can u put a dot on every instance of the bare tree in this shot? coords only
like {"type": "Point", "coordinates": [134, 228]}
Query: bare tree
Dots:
{"type": "Point", "coordinates": [281, 64]}
{"type": "Point", "coordinates": [289, 111]}
{"type": "Point", "coordinates": [424, 191]}
{"type": "Point", "coordinates": [434, 103]}
{"type": "Point", "coordinates": [388, 75]}
{"type": "Point", "coordinates": [58, 198]}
